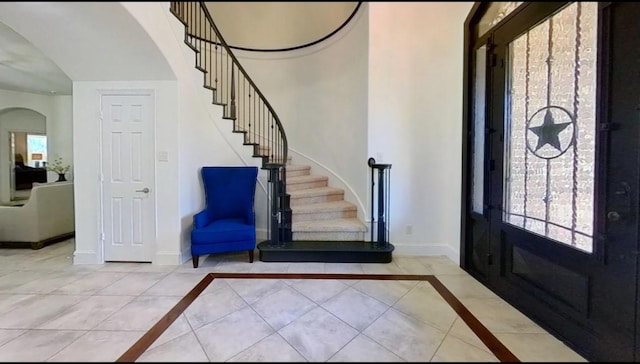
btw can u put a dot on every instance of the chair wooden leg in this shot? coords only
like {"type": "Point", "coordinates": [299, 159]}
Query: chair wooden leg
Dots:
{"type": "Point", "coordinates": [251, 256]}
{"type": "Point", "coordinates": [195, 260]}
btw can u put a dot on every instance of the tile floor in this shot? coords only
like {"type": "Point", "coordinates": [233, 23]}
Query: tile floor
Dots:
{"type": "Point", "coordinates": [52, 310]}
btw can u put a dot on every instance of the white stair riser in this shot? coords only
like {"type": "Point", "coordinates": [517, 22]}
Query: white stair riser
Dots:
{"type": "Point", "coordinates": [329, 235]}
{"type": "Point", "coordinates": [296, 201]}
{"type": "Point", "coordinates": [306, 185]}
{"type": "Point", "coordinates": [324, 215]}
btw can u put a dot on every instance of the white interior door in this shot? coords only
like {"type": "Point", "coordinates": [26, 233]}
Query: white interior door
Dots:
{"type": "Point", "coordinates": [128, 177]}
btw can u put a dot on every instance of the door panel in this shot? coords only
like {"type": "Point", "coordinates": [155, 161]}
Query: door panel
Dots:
{"type": "Point", "coordinates": [563, 96]}
{"type": "Point", "coordinates": [128, 177]}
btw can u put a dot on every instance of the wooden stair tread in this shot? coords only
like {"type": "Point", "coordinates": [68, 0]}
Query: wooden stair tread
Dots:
{"type": "Point", "coordinates": [324, 207]}
{"type": "Point", "coordinates": [306, 178]}
{"type": "Point", "coordinates": [317, 191]}
{"type": "Point", "coordinates": [341, 225]}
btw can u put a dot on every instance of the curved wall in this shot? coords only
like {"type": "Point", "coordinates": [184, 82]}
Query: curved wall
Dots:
{"type": "Point", "coordinates": [320, 95]}
{"type": "Point", "coordinates": [277, 25]}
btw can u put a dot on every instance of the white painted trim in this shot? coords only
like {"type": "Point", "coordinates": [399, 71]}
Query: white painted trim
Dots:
{"type": "Point", "coordinates": [125, 92]}
{"type": "Point", "coordinates": [427, 250]}
{"type": "Point", "coordinates": [86, 257]}
{"type": "Point", "coordinates": [185, 254]}
{"type": "Point", "coordinates": [350, 194]}
{"type": "Point", "coordinates": [168, 258]}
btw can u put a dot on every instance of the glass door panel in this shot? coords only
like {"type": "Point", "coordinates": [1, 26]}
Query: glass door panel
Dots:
{"type": "Point", "coordinates": [550, 131]}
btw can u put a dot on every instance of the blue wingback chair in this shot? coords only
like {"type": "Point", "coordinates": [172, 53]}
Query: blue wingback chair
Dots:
{"type": "Point", "coordinates": [228, 222]}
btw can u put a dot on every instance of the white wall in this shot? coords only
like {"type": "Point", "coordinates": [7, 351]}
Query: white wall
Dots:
{"type": "Point", "coordinates": [415, 118]}
{"type": "Point", "coordinates": [203, 137]}
{"type": "Point", "coordinates": [60, 133]}
{"type": "Point", "coordinates": [320, 95]}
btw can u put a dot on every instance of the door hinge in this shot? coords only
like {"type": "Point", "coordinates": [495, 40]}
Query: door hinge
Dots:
{"type": "Point", "coordinates": [102, 236]}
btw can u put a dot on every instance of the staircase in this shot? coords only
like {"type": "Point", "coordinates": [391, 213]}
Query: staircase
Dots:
{"type": "Point", "coordinates": [309, 220]}
{"type": "Point", "coordinates": [319, 212]}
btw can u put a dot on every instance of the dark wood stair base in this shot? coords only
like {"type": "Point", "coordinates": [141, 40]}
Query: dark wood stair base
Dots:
{"type": "Point", "coordinates": [326, 251]}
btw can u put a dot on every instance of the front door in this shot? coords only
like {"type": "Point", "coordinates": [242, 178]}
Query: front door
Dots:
{"type": "Point", "coordinates": [555, 231]}
{"type": "Point", "coordinates": [128, 203]}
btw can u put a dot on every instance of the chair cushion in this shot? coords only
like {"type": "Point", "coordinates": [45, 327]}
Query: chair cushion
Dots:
{"type": "Point", "coordinates": [223, 231]}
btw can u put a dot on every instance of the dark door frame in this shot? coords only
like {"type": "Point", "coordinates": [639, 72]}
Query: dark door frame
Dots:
{"type": "Point", "coordinates": [471, 42]}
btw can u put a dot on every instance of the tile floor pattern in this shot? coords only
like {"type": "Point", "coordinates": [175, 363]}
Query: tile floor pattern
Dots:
{"type": "Point", "coordinates": [52, 310]}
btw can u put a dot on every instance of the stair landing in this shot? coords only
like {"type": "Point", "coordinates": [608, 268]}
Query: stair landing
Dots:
{"type": "Point", "coordinates": [326, 251]}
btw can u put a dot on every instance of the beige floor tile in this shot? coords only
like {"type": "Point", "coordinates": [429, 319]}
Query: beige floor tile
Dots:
{"type": "Point", "coordinates": [538, 347]}
{"type": "Point", "coordinates": [37, 345]}
{"type": "Point", "coordinates": [355, 308]}
{"type": "Point", "coordinates": [133, 284]}
{"type": "Point", "coordinates": [318, 335]}
{"type": "Point", "coordinates": [183, 349]}
{"type": "Point", "coordinates": [212, 305]}
{"type": "Point", "coordinates": [409, 338]}
{"type": "Point", "coordinates": [90, 283]}
{"type": "Point", "coordinates": [140, 314]}
{"type": "Point", "coordinates": [411, 265]}
{"type": "Point", "coordinates": [363, 349]}
{"type": "Point", "coordinates": [98, 346]}
{"type": "Point", "coordinates": [319, 290]}
{"type": "Point", "coordinates": [38, 310]}
{"type": "Point", "coordinates": [424, 303]}
{"type": "Point", "coordinates": [283, 307]}
{"type": "Point", "coordinates": [7, 335]}
{"type": "Point", "coordinates": [388, 292]}
{"type": "Point", "coordinates": [270, 349]}
{"type": "Point", "coordinates": [465, 286]}
{"type": "Point", "coordinates": [457, 351]}
{"type": "Point", "coordinates": [461, 331]}
{"type": "Point", "coordinates": [232, 334]}
{"type": "Point", "coordinates": [174, 284]}
{"type": "Point", "coordinates": [251, 290]}
{"type": "Point", "coordinates": [500, 317]}
{"type": "Point", "coordinates": [87, 314]}
{"type": "Point", "coordinates": [381, 268]}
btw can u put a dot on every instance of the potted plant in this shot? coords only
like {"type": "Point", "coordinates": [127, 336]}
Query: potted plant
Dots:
{"type": "Point", "coordinates": [60, 168]}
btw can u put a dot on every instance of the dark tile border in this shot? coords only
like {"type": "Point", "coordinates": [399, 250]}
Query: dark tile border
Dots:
{"type": "Point", "coordinates": [497, 348]}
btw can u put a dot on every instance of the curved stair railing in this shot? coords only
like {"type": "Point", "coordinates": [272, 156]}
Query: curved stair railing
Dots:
{"type": "Point", "coordinates": [243, 103]}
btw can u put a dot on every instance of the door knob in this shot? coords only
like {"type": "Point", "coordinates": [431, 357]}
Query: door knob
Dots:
{"type": "Point", "coordinates": [145, 190]}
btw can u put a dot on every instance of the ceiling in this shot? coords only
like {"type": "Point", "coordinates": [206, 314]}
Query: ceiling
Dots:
{"type": "Point", "coordinates": [278, 25]}
{"type": "Point", "coordinates": [24, 68]}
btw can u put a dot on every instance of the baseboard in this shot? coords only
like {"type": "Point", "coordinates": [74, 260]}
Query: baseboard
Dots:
{"type": "Point", "coordinates": [427, 250]}
{"type": "Point", "coordinates": [86, 257]}
{"type": "Point", "coordinates": [261, 234]}
{"type": "Point", "coordinates": [168, 258]}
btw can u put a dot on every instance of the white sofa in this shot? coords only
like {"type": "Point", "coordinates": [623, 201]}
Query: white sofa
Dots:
{"type": "Point", "coordinates": [47, 216]}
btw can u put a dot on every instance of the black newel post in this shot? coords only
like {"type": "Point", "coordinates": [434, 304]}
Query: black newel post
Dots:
{"type": "Point", "coordinates": [274, 213]}
{"type": "Point", "coordinates": [382, 201]}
